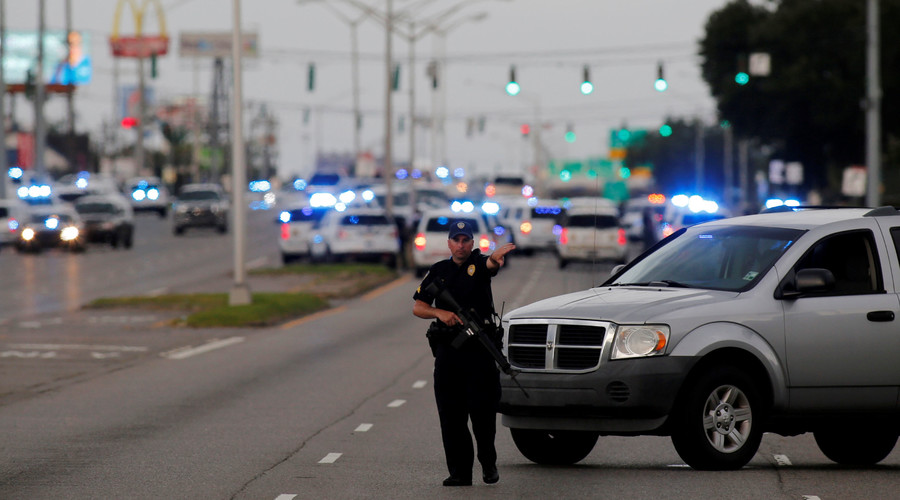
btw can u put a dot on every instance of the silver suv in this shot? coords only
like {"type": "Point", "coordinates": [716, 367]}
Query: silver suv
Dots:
{"type": "Point", "coordinates": [775, 322]}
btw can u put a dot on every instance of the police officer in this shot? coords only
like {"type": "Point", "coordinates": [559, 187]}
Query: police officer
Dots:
{"type": "Point", "coordinates": [466, 379]}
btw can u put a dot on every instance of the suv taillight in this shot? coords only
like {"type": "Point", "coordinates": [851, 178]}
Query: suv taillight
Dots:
{"type": "Point", "coordinates": [525, 227]}
{"type": "Point", "coordinates": [420, 241]}
{"type": "Point", "coordinates": [622, 241]}
{"type": "Point", "coordinates": [484, 243]}
{"type": "Point", "coordinates": [285, 231]}
{"type": "Point", "coordinates": [563, 236]}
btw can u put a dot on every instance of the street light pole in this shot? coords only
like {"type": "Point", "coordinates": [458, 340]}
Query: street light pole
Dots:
{"type": "Point", "coordinates": [240, 291]}
{"type": "Point", "coordinates": [873, 107]}
{"type": "Point", "coordinates": [4, 168]}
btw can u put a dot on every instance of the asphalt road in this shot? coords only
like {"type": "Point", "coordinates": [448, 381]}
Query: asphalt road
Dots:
{"type": "Point", "coordinates": [337, 405]}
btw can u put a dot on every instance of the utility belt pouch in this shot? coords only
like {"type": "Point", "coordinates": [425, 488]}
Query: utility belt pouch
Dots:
{"type": "Point", "coordinates": [439, 334]}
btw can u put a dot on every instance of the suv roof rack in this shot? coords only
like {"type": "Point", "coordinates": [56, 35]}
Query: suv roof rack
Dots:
{"type": "Point", "coordinates": [885, 210]}
{"type": "Point", "coordinates": [785, 208]}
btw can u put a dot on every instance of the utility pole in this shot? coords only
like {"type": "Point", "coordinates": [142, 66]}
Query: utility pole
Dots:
{"type": "Point", "coordinates": [4, 168]}
{"type": "Point", "coordinates": [873, 107]}
{"type": "Point", "coordinates": [70, 101]}
{"type": "Point", "coordinates": [40, 134]}
{"type": "Point", "coordinates": [240, 291]}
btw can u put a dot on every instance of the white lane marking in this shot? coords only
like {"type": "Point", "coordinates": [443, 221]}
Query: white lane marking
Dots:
{"type": "Point", "coordinates": [782, 460]}
{"type": "Point", "coordinates": [285, 496]}
{"type": "Point", "coordinates": [330, 458]}
{"type": "Point", "coordinates": [363, 428]}
{"type": "Point", "coordinates": [396, 403]}
{"type": "Point", "coordinates": [82, 347]}
{"type": "Point", "coordinates": [810, 497]}
{"type": "Point", "coordinates": [189, 351]}
{"type": "Point", "coordinates": [418, 384]}
{"type": "Point", "coordinates": [38, 324]}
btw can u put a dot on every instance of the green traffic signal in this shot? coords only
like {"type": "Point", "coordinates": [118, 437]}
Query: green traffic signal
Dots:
{"type": "Point", "coordinates": [513, 88]}
{"type": "Point", "coordinates": [742, 78]}
{"type": "Point", "coordinates": [665, 130]}
{"type": "Point", "coordinates": [570, 136]}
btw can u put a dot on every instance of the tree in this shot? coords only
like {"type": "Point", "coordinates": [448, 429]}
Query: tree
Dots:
{"type": "Point", "coordinates": [809, 108]}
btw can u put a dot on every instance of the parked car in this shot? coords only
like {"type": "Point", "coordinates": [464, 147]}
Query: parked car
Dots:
{"type": "Point", "coordinates": [430, 242]}
{"type": "Point", "coordinates": [51, 226]}
{"type": "Point", "coordinates": [297, 229]}
{"type": "Point", "coordinates": [13, 213]}
{"type": "Point", "coordinates": [590, 234]}
{"type": "Point", "coordinates": [200, 205]}
{"type": "Point", "coordinates": [637, 211]}
{"type": "Point", "coordinates": [365, 234]}
{"type": "Point", "coordinates": [107, 219]}
{"type": "Point", "coordinates": [775, 322]}
{"type": "Point", "coordinates": [148, 194]}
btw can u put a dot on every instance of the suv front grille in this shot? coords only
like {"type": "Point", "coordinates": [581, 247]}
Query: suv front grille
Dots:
{"type": "Point", "coordinates": [556, 347]}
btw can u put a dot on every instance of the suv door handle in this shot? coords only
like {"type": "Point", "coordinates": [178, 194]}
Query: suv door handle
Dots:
{"type": "Point", "coordinates": [880, 316]}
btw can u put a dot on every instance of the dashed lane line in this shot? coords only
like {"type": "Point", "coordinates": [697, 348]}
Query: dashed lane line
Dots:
{"type": "Point", "coordinates": [419, 384]}
{"type": "Point", "coordinates": [363, 428]}
{"type": "Point", "coordinates": [782, 460]}
{"type": "Point", "coordinates": [396, 403]}
{"type": "Point", "coordinates": [330, 458]}
{"type": "Point", "coordinates": [187, 352]}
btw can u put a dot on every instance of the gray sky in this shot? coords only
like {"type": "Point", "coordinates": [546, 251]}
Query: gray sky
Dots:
{"type": "Point", "coordinates": [549, 42]}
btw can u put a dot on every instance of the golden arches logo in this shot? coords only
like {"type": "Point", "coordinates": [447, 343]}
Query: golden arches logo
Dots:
{"type": "Point", "coordinates": [139, 45]}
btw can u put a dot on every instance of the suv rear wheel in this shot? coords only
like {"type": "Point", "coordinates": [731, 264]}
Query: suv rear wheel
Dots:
{"type": "Point", "coordinates": [713, 424]}
{"type": "Point", "coordinates": [856, 443]}
{"type": "Point", "coordinates": [554, 447]}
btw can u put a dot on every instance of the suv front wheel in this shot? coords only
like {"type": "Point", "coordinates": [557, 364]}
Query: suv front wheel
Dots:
{"type": "Point", "coordinates": [554, 447]}
{"type": "Point", "coordinates": [713, 425]}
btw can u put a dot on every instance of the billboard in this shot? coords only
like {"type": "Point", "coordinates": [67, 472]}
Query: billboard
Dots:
{"type": "Point", "coordinates": [59, 66]}
{"type": "Point", "coordinates": [217, 44]}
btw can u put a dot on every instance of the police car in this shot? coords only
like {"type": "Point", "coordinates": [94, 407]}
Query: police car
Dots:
{"type": "Point", "coordinates": [430, 242]}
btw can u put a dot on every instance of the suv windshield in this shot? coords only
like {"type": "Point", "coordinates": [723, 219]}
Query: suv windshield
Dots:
{"type": "Point", "coordinates": [720, 258]}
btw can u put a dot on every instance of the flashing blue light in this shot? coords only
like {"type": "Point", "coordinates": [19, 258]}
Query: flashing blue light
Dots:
{"type": "Point", "coordinates": [499, 230]}
{"type": "Point", "coordinates": [792, 203]}
{"type": "Point", "coordinates": [260, 186]}
{"type": "Point", "coordinates": [442, 172]}
{"type": "Point", "coordinates": [680, 200]}
{"type": "Point", "coordinates": [557, 230]}
{"type": "Point", "coordinates": [353, 219]}
{"type": "Point", "coordinates": [317, 239]}
{"type": "Point", "coordinates": [322, 200]}
{"type": "Point", "coordinates": [401, 174]}
{"type": "Point", "coordinates": [443, 220]}
{"type": "Point", "coordinates": [347, 197]}
{"type": "Point", "coordinates": [368, 195]}
{"type": "Point", "coordinates": [340, 207]}
{"type": "Point", "coordinates": [532, 202]}
{"type": "Point", "coordinates": [552, 210]}
{"type": "Point", "coordinates": [16, 172]}
{"type": "Point", "coordinates": [462, 206]}
{"type": "Point", "coordinates": [138, 195]}
{"type": "Point", "coordinates": [13, 224]}
{"type": "Point", "coordinates": [81, 183]}
{"type": "Point", "coordinates": [416, 173]}
{"type": "Point", "coordinates": [52, 222]}
{"type": "Point", "coordinates": [284, 216]}
{"type": "Point", "coordinates": [153, 193]}
{"type": "Point", "coordinates": [459, 172]}
{"type": "Point", "coordinates": [300, 184]}
{"type": "Point", "coordinates": [490, 207]}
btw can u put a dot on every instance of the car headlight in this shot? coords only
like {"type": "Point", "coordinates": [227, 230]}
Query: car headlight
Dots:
{"type": "Point", "coordinates": [27, 234]}
{"type": "Point", "coordinates": [69, 233]}
{"type": "Point", "coordinates": [636, 341]}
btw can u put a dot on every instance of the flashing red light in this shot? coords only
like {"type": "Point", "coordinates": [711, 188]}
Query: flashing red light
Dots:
{"type": "Point", "coordinates": [622, 239]}
{"type": "Point", "coordinates": [484, 243]}
{"type": "Point", "coordinates": [564, 236]}
{"type": "Point", "coordinates": [285, 231]}
{"type": "Point", "coordinates": [525, 129]}
{"type": "Point", "coordinates": [129, 122]}
{"type": "Point", "coordinates": [656, 198]}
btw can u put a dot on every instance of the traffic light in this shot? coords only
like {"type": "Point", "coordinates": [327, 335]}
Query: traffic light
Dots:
{"type": "Point", "coordinates": [395, 78]}
{"type": "Point", "coordinates": [586, 86]}
{"type": "Point", "coordinates": [742, 77]}
{"type": "Point", "coordinates": [665, 130]}
{"type": "Point", "coordinates": [570, 134]}
{"type": "Point", "coordinates": [660, 84]}
{"type": "Point", "coordinates": [129, 122]}
{"type": "Point", "coordinates": [512, 87]}
{"type": "Point", "coordinates": [311, 77]}
{"type": "Point", "coordinates": [525, 129]}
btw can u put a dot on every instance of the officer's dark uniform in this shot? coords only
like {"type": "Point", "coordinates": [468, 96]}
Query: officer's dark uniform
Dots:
{"type": "Point", "coordinates": [466, 380]}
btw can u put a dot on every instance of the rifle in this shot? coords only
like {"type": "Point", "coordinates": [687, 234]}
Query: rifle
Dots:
{"type": "Point", "coordinates": [472, 327]}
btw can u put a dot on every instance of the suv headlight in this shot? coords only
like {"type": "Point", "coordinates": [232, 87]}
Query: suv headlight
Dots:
{"type": "Point", "coordinates": [636, 341]}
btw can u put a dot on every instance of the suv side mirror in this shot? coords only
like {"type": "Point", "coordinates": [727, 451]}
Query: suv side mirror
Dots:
{"type": "Point", "coordinates": [810, 280]}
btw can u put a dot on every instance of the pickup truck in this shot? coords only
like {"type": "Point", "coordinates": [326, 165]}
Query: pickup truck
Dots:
{"type": "Point", "coordinates": [781, 322]}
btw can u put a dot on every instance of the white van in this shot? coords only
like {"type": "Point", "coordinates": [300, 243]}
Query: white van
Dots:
{"type": "Point", "coordinates": [13, 213]}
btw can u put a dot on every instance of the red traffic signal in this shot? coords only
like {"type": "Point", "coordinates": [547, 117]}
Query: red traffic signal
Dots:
{"type": "Point", "coordinates": [129, 122]}
{"type": "Point", "coordinates": [525, 129]}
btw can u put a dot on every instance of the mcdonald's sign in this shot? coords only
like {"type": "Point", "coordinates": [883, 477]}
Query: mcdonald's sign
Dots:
{"type": "Point", "coordinates": [139, 45]}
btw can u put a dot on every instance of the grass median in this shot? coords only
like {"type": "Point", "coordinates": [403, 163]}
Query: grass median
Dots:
{"type": "Point", "coordinates": [311, 288]}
